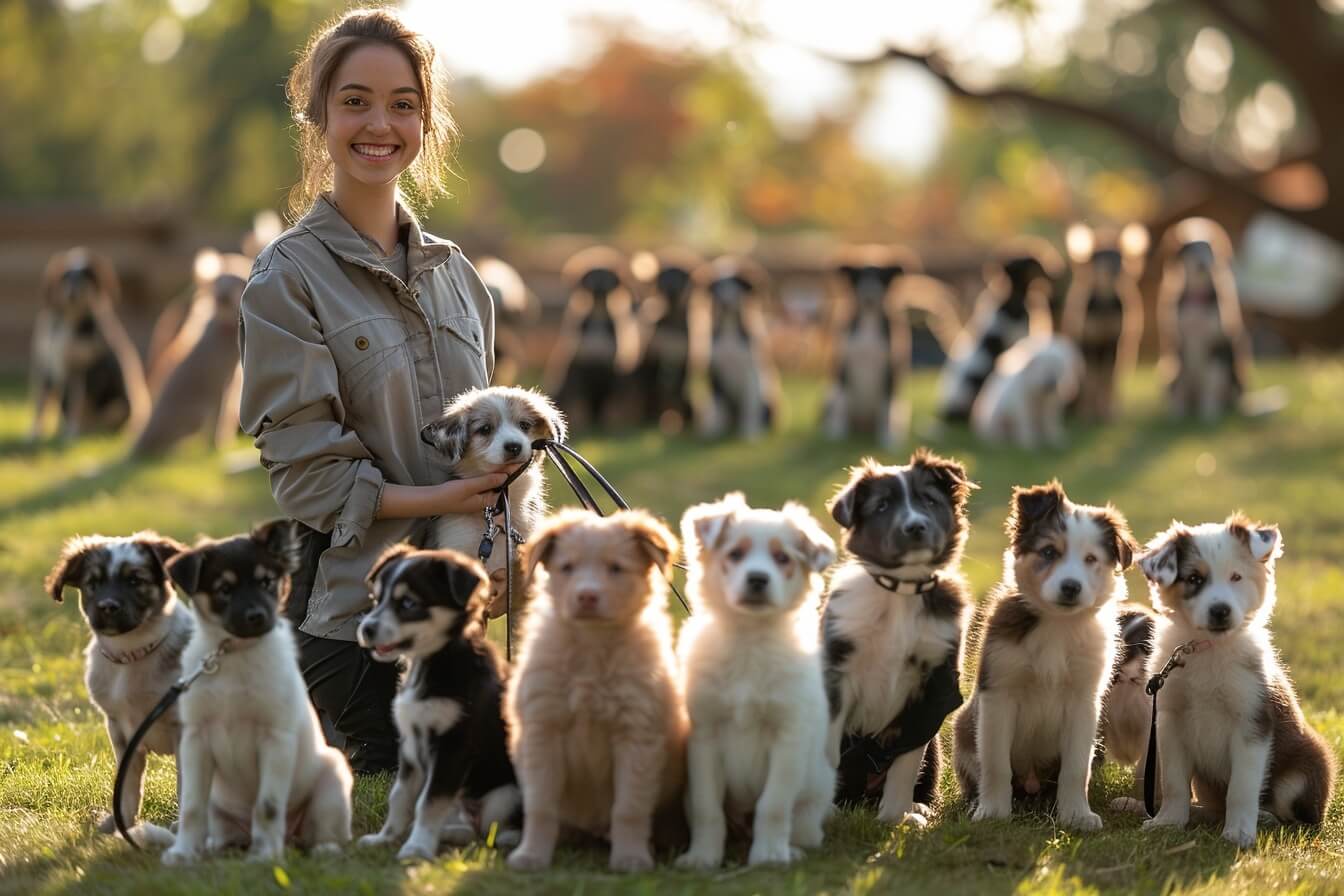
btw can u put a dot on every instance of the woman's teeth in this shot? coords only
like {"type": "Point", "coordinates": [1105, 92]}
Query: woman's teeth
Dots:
{"type": "Point", "coordinates": [374, 151]}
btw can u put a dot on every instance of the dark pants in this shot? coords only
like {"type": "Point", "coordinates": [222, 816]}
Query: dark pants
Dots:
{"type": "Point", "coordinates": [352, 693]}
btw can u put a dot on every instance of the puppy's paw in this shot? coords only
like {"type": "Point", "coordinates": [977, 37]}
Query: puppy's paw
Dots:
{"type": "Point", "coordinates": [699, 860]}
{"type": "Point", "coordinates": [1240, 833]}
{"type": "Point", "coordinates": [262, 851]}
{"type": "Point", "coordinates": [414, 851]}
{"type": "Point", "coordinates": [373, 841]}
{"type": "Point", "coordinates": [107, 824]}
{"type": "Point", "coordinates": [913, 819]}
{"type": "Point", "coordinates": [330, 848]}
{"type": "Point", "coordinates": [1165, 819]}
{"type": "Point", "coordinates": [991, 810]}
{"type": "Point", "coordinates": [631, 861]}
{"type": "Point", "coordinates": [528, 861]}
{"type": "Point", "coordinates": [152, 835]}
{"type": "Point", "coordinates": [178, 856]}
{"type": "Point", "coordinates": [1128, 805]}
{"type": "Point", "coordinates": [772, 852]}
{"type": "Point", "coordinates": [508, 838]}
{"type": "Point", "coordinates": [1080, 818]}
{"type": "Point", "coordinates": [457, 833]}
{"type": "Point", "coordinates": [807, 836]}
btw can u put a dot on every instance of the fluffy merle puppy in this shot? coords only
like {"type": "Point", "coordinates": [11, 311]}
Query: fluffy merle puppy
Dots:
{"type": "Point", "coordinates": [1020, 285]}
{"type": "Point", "coordinates": [454, 779]}
{"type": "Point", "coordinates": [661, 377]}
{"type": "Point", "coordinates": [894, 625]}
{"type": "Point", "coordinates": [730, 344]}
{"type": "Point", "coordinates": [1126, 709]}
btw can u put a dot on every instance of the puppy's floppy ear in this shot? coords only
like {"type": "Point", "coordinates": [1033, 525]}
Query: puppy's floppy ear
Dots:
{"type": "Point", "coordinates": [386, 557]}
{"type": "Point", "coordinates": [654, 539]}
{"type": "Point", "coordinates": [185, 570]}
{"type": "Point", "coordinates": [69, 567]}
{"type": "Point", "coordinates": [280, 541]}
{"type": "Point", "coordinates": [161, 547]}
{"type": "Point", "coordinates": [536, 552]}
{"type": "Point", "coordinates": [1162, 558]}
{"type": "Point", "coordinates": [844, 504]}
{"type": "Point", "coordinates": [461, 577]}
{"type": "Point", "coordinates": [817, 547]}
{"type": "Point", "coordinates": [1120, 540]}
{"type": "Point", "coordinates": [1031, 507]}
{"type": "Point", "coordinates": [1264, 542]}
{"type": "Point", "coordinates": [555, 419]}
{"type": "Point", "coordinates": [947, 472]}
{"type": "Point", "coordinates": [705, 524]}
{"type": "Point", "coordinates": [448, 434]}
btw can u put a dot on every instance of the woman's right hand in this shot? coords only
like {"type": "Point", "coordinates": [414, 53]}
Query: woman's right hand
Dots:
{"type": "Point", "coordinates": [471, 495]}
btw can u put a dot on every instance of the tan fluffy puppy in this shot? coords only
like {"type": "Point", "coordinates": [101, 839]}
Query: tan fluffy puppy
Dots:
{"type": "Point", "coordinates": [597, 721]}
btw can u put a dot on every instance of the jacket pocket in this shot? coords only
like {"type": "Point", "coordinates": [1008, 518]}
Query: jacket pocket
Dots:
{"type": "Point", "coordinates": [365, 352]}
{"type": "Point", "coordinates": [461, 345]}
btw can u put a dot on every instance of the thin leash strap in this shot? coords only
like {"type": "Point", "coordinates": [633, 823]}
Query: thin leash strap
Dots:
{"type": "Point", "coordinates": [1154, 685]}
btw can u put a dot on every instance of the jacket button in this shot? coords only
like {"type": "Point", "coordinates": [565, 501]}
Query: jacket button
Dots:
{"type": "Point", "coordinates": [361, 343]}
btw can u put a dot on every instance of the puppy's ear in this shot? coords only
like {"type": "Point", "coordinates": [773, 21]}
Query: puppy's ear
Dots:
{"type": "Point", "coordinates": [185, 570]}
{"type": "Point", "coordinates": [460, 579]}
{"type": "Point", "coordinates": [890, 272]}
{"type": "Point", "coordinates": [849, 271]}
{"type": "Point", "coordinates": [654, 539]}
{"type": "Point", "coordinates": [69, 567]}
{"type": "Point", "coordinates": [1161, 561]}
{"type": "Point", "coordinates": [1119, 540]}
{"type": "Point", "coordinates": [817, 548]}
{"type": "Point", "coordinates": [280, 541]}
{"type": "Point", "coordinates": [948, 473]}
{"type": "Point", "coordinates": [1031, 507]}
{"type": "Point", "coordinates": [555, 420]}
{"type": "Point", "coordinates": [844, 504]}
{"type": "Point", "coordinates": [448, 434]}
{"type": "Point", "coordinates": [161, 547]}
{"type": "Point", "coordinates": [706, 524]}
{"type": "Point", "coordinates": [1264, 542]}
{"type": "Point", "coordinates": [537, 551]}
{"type": "Point", "coordinates": [386, 557]}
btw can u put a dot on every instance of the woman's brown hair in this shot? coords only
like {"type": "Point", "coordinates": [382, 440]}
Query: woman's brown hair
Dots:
{"type": "Point", "coordinates": [310, 80]}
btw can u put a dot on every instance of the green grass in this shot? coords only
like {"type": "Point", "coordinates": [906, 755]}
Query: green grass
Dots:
{"type": "Point", "coordinates": [56, 768]}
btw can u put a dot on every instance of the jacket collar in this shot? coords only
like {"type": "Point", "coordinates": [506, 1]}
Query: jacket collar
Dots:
{"type": "Point", "coordinates": [325, 222]}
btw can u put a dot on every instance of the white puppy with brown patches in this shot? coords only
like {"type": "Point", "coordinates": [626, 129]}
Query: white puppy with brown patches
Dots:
{"type": "Point", "coordinates": [1047, 651]}
{"type": "Point", "coordinates": [751, 664]}
{"type": "Point", "coordinates": [1228, 719]}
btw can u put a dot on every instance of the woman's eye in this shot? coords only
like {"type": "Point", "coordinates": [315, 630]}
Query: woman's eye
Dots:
{"type": "Point", "coordinates": [1236, 577]}
{"type": "Point", "coordinates": [353, 101]}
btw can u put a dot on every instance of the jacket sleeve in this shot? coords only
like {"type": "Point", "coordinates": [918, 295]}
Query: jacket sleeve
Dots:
{"type": "Point", "coordinates": [321, 474]}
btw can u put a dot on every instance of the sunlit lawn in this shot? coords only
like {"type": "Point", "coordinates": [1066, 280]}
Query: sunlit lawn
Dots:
{"type": "Point", "coordinates": [56, 769]}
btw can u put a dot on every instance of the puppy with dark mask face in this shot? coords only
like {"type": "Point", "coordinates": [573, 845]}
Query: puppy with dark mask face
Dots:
{"type": "Point", "coordinates": [491, 431]}
{"type": "Point", "coordinates": [893, 626]}
{"type": "Point", "coordinates": [1228, 719]}
{"type": "Point", "coordinates": [730, 347]}
{"type": "Point", "coordinates": [135, 655]}
{"type": "Point", "coordinates": [1126, 708]}
{"type": "Point", "coordinates": [454, 778]}
{"type": "Point", "coordinates": [255, 769]}
{"type": "Point", "coordinates": [664, 316]}
{"type": "Point", "coordinates": [1046, 653]}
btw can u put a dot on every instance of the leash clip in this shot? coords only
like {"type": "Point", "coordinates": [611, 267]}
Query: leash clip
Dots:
{"type": "Point", "coordinates": [209, 665]}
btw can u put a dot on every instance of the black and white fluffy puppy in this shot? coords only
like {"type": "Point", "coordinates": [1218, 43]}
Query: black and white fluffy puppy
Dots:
{"type": "Point", "coordinates": [1228, 720]}
{"type": "Point", "coordinates": [454, 778]}
{"type": "Point", "coordinates": [893, 628]}
{"type": "Point", "coordinates": [598, 345]}
{"type": "Point", "coordinates": [663, 371]}
{"type": "Point", "coordinates": [730, 345]}
{"type": "Point", "coordinates": [256, 771]}
{"type": "Point", "coordinates": [135, 655]}
{"type": "Point", "coordinates": [1024, 399]}
{"type": "Point", "coordinates": [490, 431]}
{"type": "Point", "coordinates": [82, 356]}
{"type": "Point", "coordinates": [1020, 283]}
{"type": "Point", "coordinates": [1206, 354]}
{"type": "Point", "coordinates": [1046, 653]}
{"type": "Point", "coordinates": [872, 342]}
{"type": "Point", "coordinates": [1126, 710]}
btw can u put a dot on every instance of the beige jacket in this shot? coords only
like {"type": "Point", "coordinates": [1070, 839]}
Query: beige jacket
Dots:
{"type": "Point", "coordinates": [342, 365]}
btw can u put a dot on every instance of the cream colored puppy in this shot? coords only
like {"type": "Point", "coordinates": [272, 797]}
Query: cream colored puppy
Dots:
{"type": "Point", "coordinates": [597, 723]}
{"type": "Point", "coordinates": [751, 661]}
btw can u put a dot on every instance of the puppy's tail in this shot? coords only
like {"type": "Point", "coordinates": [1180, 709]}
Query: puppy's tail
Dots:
{"type": "Point", "coordinates": [1263, 402]}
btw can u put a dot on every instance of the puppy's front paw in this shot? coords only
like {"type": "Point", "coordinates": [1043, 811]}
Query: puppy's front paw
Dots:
{"type": "Point", "coordinates": [990, 810]}
{"type": "Point", "coordinates": [807, 836]}
{"type": "Point", "coordinates": [1079, 818]}
{"type": "Point", "coordinates": [457, 833]}
{"type": "Point", "coordinates": [1128, 805]}
{"type": "Point", "coordinates": [508, 838]}
{"type": "Point", "coordinates": [1165, 819]}
{"type": "Point", "coordinates": [630, 861]}
{"type": "Point", "coordinates": [107, 824]}
{"type": "Point", "coordinates": [325, 849]}
{"type": "Point", "coordinates": [699, 860]}
{"type": "Point", "coordinates": [263, 851]}
{"type": "Point", "coordinates": [528, 861]}
{"type": "Point", "coordinates": [1240, 833]}
{"type": "Point", "coordinates": [178, 856]}
{"type": "Point", "coordinates": [373, 841]}
{"type": "Point", "coordinates": [414, 851]}
{"type": "Point", "coordinates": [147, 834]}
{"type": "Point", "coordinates": [771, 852]}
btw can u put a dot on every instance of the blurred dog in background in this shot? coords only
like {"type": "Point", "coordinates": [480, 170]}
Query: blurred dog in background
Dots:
{"type": "Point", "coordinates": [664, 318]}
{"type": "Point", "coordinates": [515, 307]}
{"type": "Point", "coordinates": [730, 348]}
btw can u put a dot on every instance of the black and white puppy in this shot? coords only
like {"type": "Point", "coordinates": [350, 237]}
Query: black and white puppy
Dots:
{"type": "Point", "coordinates": [454, 778]}
{"type": "Point", "coordinates": [490, 431]}
{"type": "Point", "coordinates": [661, 377]}
{"type": "Point", "coordinates": [1126, 710]}
{"type": "Point", "coordinates": [1047, 650]}
{"type": "Point", "coordinates": [873, 346]}
{"type": "Point", "coordinates": [256, 771]}
{"type": "Point", "coordinates": [135, 655]}
{"type": "Point", "coordinates": [82, 356]}
{"type": "Point", "coordinates": [893, 626]}
{"type": "Point", "coordinates": [731, 345]}
{"type": "Point", "coordinates": [1020, 284]}
{"type": "Point", "coordinates": [1228, 720]}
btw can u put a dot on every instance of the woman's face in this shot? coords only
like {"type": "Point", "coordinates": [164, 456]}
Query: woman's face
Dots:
{"type": "Point", "coordinates": [374, 126]}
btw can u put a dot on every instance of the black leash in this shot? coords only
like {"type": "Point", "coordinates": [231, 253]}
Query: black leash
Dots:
{"type": "Point", "coordinates": [209, 666]}
{"type": "Point", "coordinates": [1154, 685]}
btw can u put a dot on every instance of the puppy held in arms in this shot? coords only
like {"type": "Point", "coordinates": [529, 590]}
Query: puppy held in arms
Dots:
{"type": "Point", "coordinates": [256, 772]}
{"type": "Point", "coordinates": [491, 431]}
{"type": "Point", "coordinates": [135, 655]}
{"type": "Point", "coordinates": [1228, 720]}
{"type": "Point", "coordinates": [454, 779]}
{"type": "Point", "coordinates": [752, 667]}
{"type": "Point", "coordinates": [893, 627]}
{"type": "Point", "coordinates": [1046, 654]}
{"type": "Point", "coordinates": [597, 723]}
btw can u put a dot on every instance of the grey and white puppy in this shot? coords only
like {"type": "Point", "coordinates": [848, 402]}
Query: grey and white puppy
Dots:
{"type": "Point", "coordinates": [135, 655]}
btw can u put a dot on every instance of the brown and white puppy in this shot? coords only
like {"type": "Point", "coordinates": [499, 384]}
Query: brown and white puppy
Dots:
{"type": "Point", "coordinates": [255, 769]}
{"type": "Point", "coordinates": [752, 667]}
{"type": "Point", "coordinates": [1206, 354]}
{"type": "Point", "coordinates": [135, 655]}
{"type": "Point", "coordinates": [191, 380]}
{"type": "Point", "coordinates": [490, 431]}
{"type": "Point", "coordinates": [1023, 401]}
{"type": "Point", "coordinates": [81, 354]}
{"type": "Point", "coordinates": [1228, 720]}
{"type": "Point", "coordinates": [730, 347]}
{"type": "Point", "coordinates": [1047, 649]}
{"type": "Point", "coordinates": [894, 625]}
{"type": "Point", "coordinates": [596, 716]}
{"type": "Point", "coordinates": [454, 779]}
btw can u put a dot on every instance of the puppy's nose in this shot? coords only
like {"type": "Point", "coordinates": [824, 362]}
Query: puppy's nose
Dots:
{"type": "Point", "coordinates": [1219, 614]}
{"type": "Point", "coordinates": [513, 449]}
{"type": "Point", "coordinates": [1069, 589]}
{"type": "Point", "coordinates": [757, 581]}
{"type": "Point", "coordinates": [587, 600]}
{"type": "Point", "coordinates": [915, 529]}
{"type": "Point", "coordinates": [106, 605]}
{"type": "Point", "coordinates": [254, 616]}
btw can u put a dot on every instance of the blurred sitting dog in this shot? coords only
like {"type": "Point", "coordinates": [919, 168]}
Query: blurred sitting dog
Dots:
{"type": "Point", "coordinates": [490, 431]}
{"type": "Point", "coordinates": [1023, 401]}
{"type": "Point", "coordinates": [135, 655]}
{"type": "Point", "coordinates": [81, 355]}
{"type": "Point", "coordinates": [515, 307]}
{"type": "Point", "coordinates": [894, 625]}
{"type": "Point", "coordinates": [730, 347]}
{"type": "Point", "coordinates": [256, 771]}
{"type": "Point", "coordinates": [454, 779]}
{"type": "Point", "coordinates": [597, 722]}
{"type": "Point", "coordinates": [1228, 719]}
{"type": "Point", "coordinates": [664, 368]}
{"type": "Point", "coordinates": [1047, 651]}
{"type": "Point", "coordinates": [753, 674]}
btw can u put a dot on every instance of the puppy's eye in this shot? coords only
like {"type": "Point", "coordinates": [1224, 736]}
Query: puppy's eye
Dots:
{"type": "Point", "coordinates": [484, 430]}
{"type": "Point", "coordinates": [736, 554]}
{"type": "Point", "coordinates": [1194, 580]}
{"type": "Point", "coordinates": [780, 557]}
{"type": "Point", "coordinates": [615, 568]}
{"type": "Point", "coordinates": [224, 589]}
{"type": "Point", "coordinates": [1090, 559]}
{"type": "Point", "coordinates": [1236, 577]}
{"type": "Point", "coordinates": [525, 425]}
{"type": "Point", "coordinates": [1048, 553]}
{"type": "Point", "coordinates": [409, 603]}
{"type": "Point", "coordinates": [882, 506]}
{"type": "Point", "coordinates": [566, 568]}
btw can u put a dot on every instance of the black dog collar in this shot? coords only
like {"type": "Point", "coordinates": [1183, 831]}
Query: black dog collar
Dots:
{"type": "Point", "coordinates": [904, 586]}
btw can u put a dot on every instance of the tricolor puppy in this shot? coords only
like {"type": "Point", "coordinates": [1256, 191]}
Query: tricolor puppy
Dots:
{"type": "Point", "coordinates": [730, 346]}
{"type": "Point", "coordinates": [665, 316]}
{"type": "Point", "coordinates": [751, 661]}
{"type": "Point", "coordinates": [1047, 651]}
{"type": "Point", "coordinates": [1023, 401]}
{"type": "Point", "coordinates": [491, 431]}
{"type": "Point", "coordinates": [894, 626]}
{"type": "Point", "coordinates": [454, 779]}
{"type": "Point", "coordinates": [1228, 719]}
{"type": "Point", "coordinates": [135, 655]}
{"type": "Point", "coordinates": [597, 721]}
{"type": "Point", "coordinates": [1126, 712]}
{"type": "Point", "coordinates": [255, 769]}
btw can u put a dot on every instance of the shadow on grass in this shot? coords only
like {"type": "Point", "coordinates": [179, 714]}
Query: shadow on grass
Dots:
{"type": "Point", "coordinates": [108, 477]}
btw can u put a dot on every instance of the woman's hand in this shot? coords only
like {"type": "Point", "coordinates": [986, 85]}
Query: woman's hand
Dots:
{"type": "Point", "coordinates": [470, 495]}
